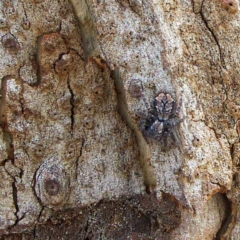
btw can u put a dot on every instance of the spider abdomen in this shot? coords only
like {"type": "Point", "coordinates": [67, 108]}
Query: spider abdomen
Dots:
{"type": "Point", "coordinates": [162, 122]}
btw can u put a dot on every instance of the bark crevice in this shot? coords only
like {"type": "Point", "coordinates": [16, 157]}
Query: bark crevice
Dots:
{"type": "Point", "coordinates": [72, 99]}
{"type": "Point", "coordinates": [91, 48]}
{"type": "Point", "coordinates": [205, 21]}
{"type": "Point", "coordinates": [15, 201]}
{"type": "Point", "coordinates": [223, 232]}
{"type": "Point", "coordinates": [143, 147]}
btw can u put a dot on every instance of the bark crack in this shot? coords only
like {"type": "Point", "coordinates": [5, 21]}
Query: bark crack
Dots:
{"type": "Point", "coordinates": [222, 187]}
{"type": "Point", "coordinates": [37, 57]}
{"type": "Point", "coordinates": [15, 195]}
{"type": "Point", "coordinates": [21, 99]}
{"type": "Point", "coordinates": [7, 136]}
{"type": "Point", "coordinates": [144, 150]}
{"type": "Point", "coordinates": [34, 232]}
{"type": "Point", "coordinates": [86, 229]}
{"type": "Point", "coordinates": [223, 232]}
{"type": "Point", "coordinates": [15, 201]}
{"type": "Point", "coordinates": [212, 34]}
{"type": "Point", "coordinates": [92, 47]}
{"type": "Point", "coordinates": [40, 213]}
{"type": "Point", "coordinates": [71, 103]}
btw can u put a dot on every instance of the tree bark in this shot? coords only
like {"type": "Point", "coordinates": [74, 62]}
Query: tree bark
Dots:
{"type": "Point", "coordinates": [119, 119]}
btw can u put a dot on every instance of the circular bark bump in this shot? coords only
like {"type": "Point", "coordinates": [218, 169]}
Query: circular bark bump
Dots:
{"type": "Point", "coordinates": [230, 5]}
{"type": "Point", "coordinates": [52, 186]}
{"type": "Point", "coordinates": [10, 42]}
{"type": "Point", "coordinates": [52, 183]}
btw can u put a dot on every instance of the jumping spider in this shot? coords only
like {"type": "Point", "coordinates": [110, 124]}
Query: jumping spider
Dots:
{"type": "Point", "coordinates": [163, 121]}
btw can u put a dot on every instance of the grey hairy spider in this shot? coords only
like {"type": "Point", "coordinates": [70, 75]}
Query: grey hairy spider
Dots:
{"type": "Point", "coordinates": [162, 122]}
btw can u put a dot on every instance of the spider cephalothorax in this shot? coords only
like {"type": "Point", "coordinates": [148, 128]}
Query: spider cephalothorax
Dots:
{"type": "Point", "coordinates": [162, 121]}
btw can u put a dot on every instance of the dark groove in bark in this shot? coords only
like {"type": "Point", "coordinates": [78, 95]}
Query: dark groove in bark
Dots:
{"type": "Point", "coordinates": [148, 171]}
{"type": "Point", "coordinates": [213, 35]}
{"type": "Point", "coordinates": [7, 136]}
{"type": "Point", "coordinates": [227, 219]}
{"type": "Point", "coordinates": [71, 103]}
{"type": "Point", "coordinates": [15, 201]}
{"type": "Point", "coordinates": [37, 56]}
{"type": "Point", "coordinates": [93, 48]}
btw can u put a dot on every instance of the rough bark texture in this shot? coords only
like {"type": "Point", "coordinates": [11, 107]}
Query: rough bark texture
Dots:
{"type": "Point", "coordinates": [79, 79]}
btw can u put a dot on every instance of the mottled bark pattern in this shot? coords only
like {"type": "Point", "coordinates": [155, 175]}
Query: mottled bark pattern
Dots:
{"type": "Point", "coordinates": [77, 78]}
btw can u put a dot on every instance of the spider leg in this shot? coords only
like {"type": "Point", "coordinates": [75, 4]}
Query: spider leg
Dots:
{"type": "Point", "coordinates": [150, 108]}
{"type": "Point", "coordinates": [151, 114]}
{"type": "Point", "coordinates": [175, 121]}
{"type": "Point", "coordinates": [165, 143]}
{"type": "Point", "coordinates": [178, 107]}
{"type": "Point", "coordinates": [175, 138]}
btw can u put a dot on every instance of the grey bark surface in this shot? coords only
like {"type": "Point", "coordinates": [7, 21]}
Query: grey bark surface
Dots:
{"type": "Point", "coordinates": [78, 79]}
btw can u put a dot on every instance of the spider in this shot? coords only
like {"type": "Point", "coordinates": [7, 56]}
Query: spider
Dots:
{"type": "Point", "coordinates": [163, 121]}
